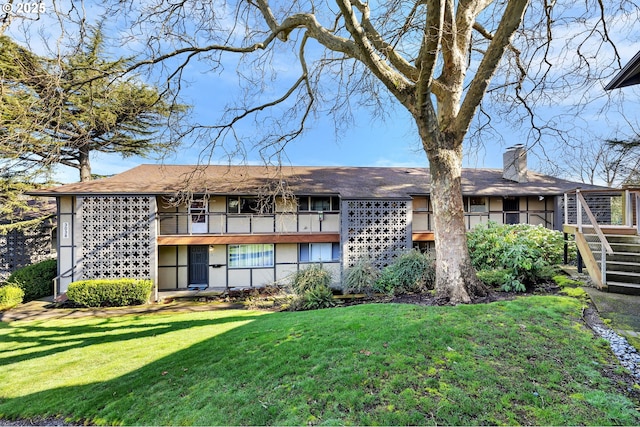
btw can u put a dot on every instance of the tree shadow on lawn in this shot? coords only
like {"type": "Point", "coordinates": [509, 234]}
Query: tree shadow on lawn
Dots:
{"type": "Point", "coordinates": [168, 391]}
{"type": "Point", "coordinates": [57, 339]}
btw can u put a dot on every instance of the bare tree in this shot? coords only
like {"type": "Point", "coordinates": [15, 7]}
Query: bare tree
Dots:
{"type": "Point", "coordinates": [438, 59]}
{"type": "Point", "coordinates": [612, 162]}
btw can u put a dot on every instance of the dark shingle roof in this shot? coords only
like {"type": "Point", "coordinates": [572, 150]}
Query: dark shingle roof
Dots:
{"type": "Point", "coordinates": [348, 182]}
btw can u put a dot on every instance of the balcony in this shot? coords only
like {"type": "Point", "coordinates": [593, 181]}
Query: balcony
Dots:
{"type": "Point", "coordinates": [223, 228]}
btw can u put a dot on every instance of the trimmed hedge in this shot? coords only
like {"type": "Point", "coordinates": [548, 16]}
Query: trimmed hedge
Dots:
{"type": "Point", "coordinates": [10, 296]}
{"type": "Point", "coordinates": [36, 280]}
{"type": "Point", "coordinates": [110, 292]}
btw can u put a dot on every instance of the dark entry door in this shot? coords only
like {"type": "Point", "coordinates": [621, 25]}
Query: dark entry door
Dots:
{"type": "Point", "coordinates": [199, 265]}
{"type": "Point", "coordinates": [511, 207]}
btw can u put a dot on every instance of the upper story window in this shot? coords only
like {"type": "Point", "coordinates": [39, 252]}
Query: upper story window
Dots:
{"type": "Point", "coordinates": [476, 204]}
{"type": "Point", "coordinates": [318, 203]}
{"type": "Point", "coordinates": [249, 205]}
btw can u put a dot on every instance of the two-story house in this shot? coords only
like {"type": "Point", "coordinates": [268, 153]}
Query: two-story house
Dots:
{"type": "Point", "coordinates": [225, 227]}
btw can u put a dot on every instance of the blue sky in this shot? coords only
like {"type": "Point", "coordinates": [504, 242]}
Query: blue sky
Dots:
{"type": "Point", "coordinates": [370, 142]}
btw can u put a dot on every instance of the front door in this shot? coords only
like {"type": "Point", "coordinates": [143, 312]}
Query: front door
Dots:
{"type": "Point", "coordinates": [198, 266]}
{"type": "Point", "coordinates": [511, 207]}
{"type": "Point", "coordinates": [198, 217]}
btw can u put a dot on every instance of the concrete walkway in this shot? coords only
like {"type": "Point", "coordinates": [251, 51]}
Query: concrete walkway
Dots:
{"type": "Point", "coordinates": [37, 310]}
{"type": "Point", "coordinates": [622, 310]}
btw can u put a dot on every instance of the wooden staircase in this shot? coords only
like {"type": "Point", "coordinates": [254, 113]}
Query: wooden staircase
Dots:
{"type": "Point", "coordinates": [623, 265]}
{"type": "Point", "coordinates": [609, 239]}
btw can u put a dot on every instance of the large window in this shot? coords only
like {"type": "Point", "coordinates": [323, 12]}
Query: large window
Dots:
{"type": "Point", "coordinates": [249, 205]}
{"type": "Point", "coordinates": [318, 203]}
{"type": "Point", "coordinates": [476, 204]}
{"type": "Point", "coordinates": [247, 256]}
{"type": "Point", "coordinates": [319, 252]}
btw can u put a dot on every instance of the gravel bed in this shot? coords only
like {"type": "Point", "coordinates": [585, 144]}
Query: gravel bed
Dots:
{"type": "Point", "coordinates": [625, 352]}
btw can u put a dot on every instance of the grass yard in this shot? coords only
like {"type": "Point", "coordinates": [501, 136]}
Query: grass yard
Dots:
{"type": "Point", "coordinates": [528, 361]}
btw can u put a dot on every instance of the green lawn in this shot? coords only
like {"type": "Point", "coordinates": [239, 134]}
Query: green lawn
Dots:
{"type": "Point", "coordinates": [528, 361]}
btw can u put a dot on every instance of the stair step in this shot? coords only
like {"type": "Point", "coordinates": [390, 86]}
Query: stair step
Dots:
{"type": "Point", "coordinates": [617, 247]}
{"type": "Point", "coordinates": [629, 277]}
{"type": "Point", "coordinates": [616, 238]}
{"type": "Point", "coordinates": [623, 266]}
{"type": "Point", "coordinates": [623, 288]}
{"type": "Point", "coordinates": [619, 256]}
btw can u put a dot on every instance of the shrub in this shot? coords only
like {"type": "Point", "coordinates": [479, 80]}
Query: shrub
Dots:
{"type": "Point", "coordinates": [10, 296]}
{"type": "Point", "coordinates": [494, 278]}
{"type": "Point", "coordinates": [519, 255]}
{"type": "Point", "coordinates": [310, 278]}
{"type": "Point", "coordinates": [312, 289]}
{"type": "Point", "coordinates": [319, 297]}
{"type": "Point", "coordinates": [36, 280]}
{"type": "Point", "coordinates": [110, 292]}
{"type": "Point", "coordinates": [412, 271]}
{"type": "Point", "coordinates": [361, 278]}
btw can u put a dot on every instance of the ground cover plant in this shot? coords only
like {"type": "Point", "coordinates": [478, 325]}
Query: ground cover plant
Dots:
{"type": "Point", "coordinates": [10, 296]}
{"type": "Point", "coordinates": [526, 361]}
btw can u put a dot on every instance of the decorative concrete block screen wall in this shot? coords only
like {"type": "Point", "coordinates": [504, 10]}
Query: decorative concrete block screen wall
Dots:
{"type": "Point", "coordinates": [377, 229]}
{"type": "Point", "coordinates": [19, 248]}
{"type": "Point", "coordinates": [118, 237]}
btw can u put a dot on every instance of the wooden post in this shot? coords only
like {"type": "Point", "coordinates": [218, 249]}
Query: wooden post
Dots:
{"type": "Point", "coordinates": [627, 210]}
{"type": "Point", "coordinates": [578, 211]}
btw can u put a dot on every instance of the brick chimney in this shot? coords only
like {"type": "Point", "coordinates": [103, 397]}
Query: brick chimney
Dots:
{"type": "Point", "coordinates": [514, 162]}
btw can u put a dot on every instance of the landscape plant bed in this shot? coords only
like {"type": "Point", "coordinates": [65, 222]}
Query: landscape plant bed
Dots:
{"type": "Point", "coordinates": [527, 361]}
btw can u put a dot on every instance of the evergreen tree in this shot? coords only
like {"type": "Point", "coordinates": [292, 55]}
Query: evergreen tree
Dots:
{"type": "Point", "coordinates": [59, 111]}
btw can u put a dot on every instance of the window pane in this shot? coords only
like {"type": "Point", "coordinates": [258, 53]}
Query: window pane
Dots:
{"type": "Point", "coordinates": [198, 219]}
{"type": "Point", "coordinates": [248, 205]}
{"type": "Point", "coordinates": [252, 205]}
{"type": "Point", "coordinates": [335, 249]}
{"type": "Point", "coordinates": [304, 252]}
{"type": "Point", "coordinates": [477, 204]}
{"type": "Point", "coordinates": [232, 205]}
{"type": "Point", "coordinates": [303, 203]}
{"type": "Point", "coordinates": [320, 252]}
{"type": "Point", "coordinates": [320, 203]}
{"type": "Point", "coordinates": [198, 204]}
{"type": "Point", "coordinates": [335, 203]}
{"type": "Point", "coordinates": [246, 256]}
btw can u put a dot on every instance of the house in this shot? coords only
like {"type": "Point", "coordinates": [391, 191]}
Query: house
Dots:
{"type": "Point", "coordinates": [628, 76]}
{"type": "Point", "coordinates": [230, 227]}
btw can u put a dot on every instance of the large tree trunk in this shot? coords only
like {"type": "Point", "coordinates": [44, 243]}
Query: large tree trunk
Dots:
{"type": "Point", "coordinates": [456, 280]}
{"type": "Point", "coordinates": [84, 164]}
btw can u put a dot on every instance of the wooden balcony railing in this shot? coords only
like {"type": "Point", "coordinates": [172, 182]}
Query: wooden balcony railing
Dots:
{"type": "Point", "coordinates": [184, 223]}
